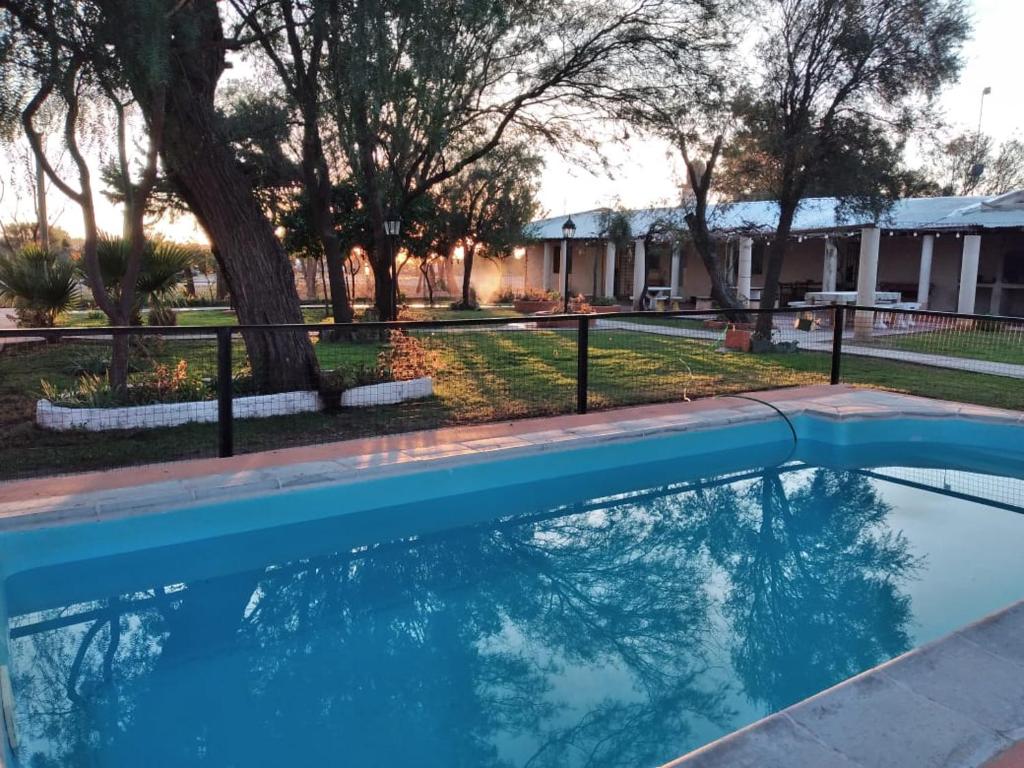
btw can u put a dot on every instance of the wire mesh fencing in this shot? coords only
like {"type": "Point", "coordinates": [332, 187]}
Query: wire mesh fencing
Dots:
{"type": "Point", "coordinates": [964, 358]}
{"type": "Point", "coordinates": [81, 399]}
{"type": "Point", "coordinates": [74, 400]}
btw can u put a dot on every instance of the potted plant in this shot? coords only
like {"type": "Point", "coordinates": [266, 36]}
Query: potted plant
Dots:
{"type": "Point", "coordinates": [738, 339]}
{"type": "Point", "coordinates": [603, 305]}
{"type": "Point", "coordinates": [534, 300]}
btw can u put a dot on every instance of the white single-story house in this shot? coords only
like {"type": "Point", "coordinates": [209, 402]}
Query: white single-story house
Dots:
{"type": "Point", "coordinates": [961, 254]}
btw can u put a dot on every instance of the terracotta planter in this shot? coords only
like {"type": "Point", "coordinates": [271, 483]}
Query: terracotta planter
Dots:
{"type": "Point", "coordinates": [531, 307]}
{"type": "Point", "coordinates": [738, 339]}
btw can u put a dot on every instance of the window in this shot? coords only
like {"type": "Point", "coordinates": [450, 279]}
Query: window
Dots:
{"type": "Point", "coordinates": [557, 261]}
{"type": "Point", "coordinates": [757, 257]}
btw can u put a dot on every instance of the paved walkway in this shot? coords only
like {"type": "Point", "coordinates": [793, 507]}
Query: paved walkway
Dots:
{"type": "Point", "coordinates": [816, 341]}
{"type": "Point", "coordinates": [8, 320]}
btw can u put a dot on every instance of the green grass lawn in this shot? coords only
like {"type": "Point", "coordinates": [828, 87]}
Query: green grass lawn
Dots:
{"type": "Point", "coordinates": [1003, 346]}
{"type": "Point", "coordinates": [479, 375]}
{"type": "Point", "coordinates": [206, 318]}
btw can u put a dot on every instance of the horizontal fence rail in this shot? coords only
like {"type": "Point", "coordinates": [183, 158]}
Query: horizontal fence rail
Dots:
{"type": "Point", "coordinates": [192, 391]}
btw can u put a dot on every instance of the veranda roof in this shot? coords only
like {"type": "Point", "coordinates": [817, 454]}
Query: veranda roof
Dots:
{"type": "Point", "coordinates": [819, 214]}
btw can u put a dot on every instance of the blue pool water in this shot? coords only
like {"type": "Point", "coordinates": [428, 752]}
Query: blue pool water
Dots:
{"type": "Point", "coordinates": [608, 607]}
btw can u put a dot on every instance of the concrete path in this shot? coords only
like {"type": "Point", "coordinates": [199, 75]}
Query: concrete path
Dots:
{"type": "Point", "coordinates": [816, 341]}
{"type": "Point", "coordinates": [8, 320]}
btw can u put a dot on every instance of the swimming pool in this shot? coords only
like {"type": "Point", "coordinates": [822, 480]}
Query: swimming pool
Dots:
{"type": "Point", "coordinates": [617, 604]}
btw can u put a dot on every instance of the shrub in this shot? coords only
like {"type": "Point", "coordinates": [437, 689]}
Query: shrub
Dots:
{"type": "Point", "coordinates": [161, 384]}
{"type": "Point", "coordinates": [578, 304]}
{"type": "Point", "coordinates": [537, 294]}
{"type": "Point", "coordinates": [603, 301]}
{"type": "Point", "coordinates": [40, 284]}
{"type": "Point", "coordinates": [162, 315]}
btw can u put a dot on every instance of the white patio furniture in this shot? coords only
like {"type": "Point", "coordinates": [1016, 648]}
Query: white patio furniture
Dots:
{"type": "Point", "coordinates": [850, 297]}
{"type": "Point", "coordinates": [656, 293]}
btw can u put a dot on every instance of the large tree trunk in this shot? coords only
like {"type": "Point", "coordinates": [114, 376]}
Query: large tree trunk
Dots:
{"type": "Point", "coordinates": [467, 276]}
{"type": "Point", "coordinates": [721, 291]}
{"type": "Point", "coordinates": [773, 266]}
{"type": "Point", "coordinates": [697, 222]}
{"type": "Point", "coordinates": [203, 166]}
{"type": "Point", "coordinates": [316, 178]}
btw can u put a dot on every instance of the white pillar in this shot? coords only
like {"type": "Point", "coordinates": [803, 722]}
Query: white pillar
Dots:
{"type": "Point", "coordinates": [924, 277]}
{"type": "Point", "coordinates": [609, 270]}
{"type": "Point", "coordinates": [743, 270]}
{"type": "Point", "coordinates": [969, 274]}
{"type": "Point", "coordinates": [677, 258]}
{"type": "Point", "coordinates": [995, 306]}
{"type": "Point", "coordinates": [639, 269]}
{"type": "Point", "coordinates": [831, 266]}
{"type": "Point", "coordinates": [867, 280]}
{"type": "Point", "coordinates": [563, 270]}
{"type": "Point", "coordinates": [549, 265]}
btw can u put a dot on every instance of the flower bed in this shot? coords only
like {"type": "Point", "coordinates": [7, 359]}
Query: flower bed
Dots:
{"type": "Point", "coordinates": [61, 418]}
{"type": "Point", "coordinates": [531, 307]}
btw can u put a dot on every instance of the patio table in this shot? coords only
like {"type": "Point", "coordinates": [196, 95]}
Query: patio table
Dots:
{"type": "Point", "coordinates": [656, 293]}
{"type": "Point", "coordinates": [850, 297]}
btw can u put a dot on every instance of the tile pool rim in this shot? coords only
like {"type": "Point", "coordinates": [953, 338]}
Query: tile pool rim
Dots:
{"type": "Point", "coordinates": [792, 735]}
{"type": "Point", "coordinates": [98, 496]}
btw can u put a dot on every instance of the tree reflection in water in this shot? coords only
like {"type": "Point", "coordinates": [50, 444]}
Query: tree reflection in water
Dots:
{"type": "Point", "coordinates": [583, 639]}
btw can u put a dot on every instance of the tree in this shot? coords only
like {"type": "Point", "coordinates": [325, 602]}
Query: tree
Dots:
{"type": "Point", "coordinates": [292, 35]}
{"type": "Point", "coordinates": [971, 164]}
{"type": "Point", "coordinates": [840, 80]}
{"type": "Point", "coordinates": [699, 175]}
{"type": "Point", "coordinates": [488, 205]}
{"type": "Point", "coordinates": [421, 91]}
{"type": "Point", "coordinates": [40, 284]}
{"type": "Point", "coordinates": [170, 55]}
{"type": "Point", "coordinates": [66, 71]}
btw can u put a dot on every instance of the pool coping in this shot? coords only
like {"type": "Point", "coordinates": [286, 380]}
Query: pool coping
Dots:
{"type": "Point", "coordinates": [95, 496]}
{"type": "Point", "coordinates": [958, 701]}
{"type": "Point", "coordinates": [955, 702]}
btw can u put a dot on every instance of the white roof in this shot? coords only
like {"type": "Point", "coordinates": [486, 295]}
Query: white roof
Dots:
{"type": "Point", "coordinates": [814, 214]}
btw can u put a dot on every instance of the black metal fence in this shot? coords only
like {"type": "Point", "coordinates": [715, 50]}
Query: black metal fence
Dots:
{"type": "Point", "coordinates": [191, 392]}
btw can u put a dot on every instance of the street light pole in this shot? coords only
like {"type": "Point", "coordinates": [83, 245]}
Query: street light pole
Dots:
{"type": "Point", "coordinates": [568, 232]}
{"type": "Point", "coordinates": [392, 226]}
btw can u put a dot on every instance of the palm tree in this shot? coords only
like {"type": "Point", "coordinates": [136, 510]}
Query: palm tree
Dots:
{"type": "Point", "coordinates": [40, 283]}
{"type": "Point", "coordinates": [162, 271]}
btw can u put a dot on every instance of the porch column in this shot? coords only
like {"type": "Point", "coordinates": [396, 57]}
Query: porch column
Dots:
{"type": "Point", "coordinates": [563, 269]}
{"type": "Point", "coordinates": [995, 306]}
{"type": "Point", "coordinates": [677, 258]}
{"type": "Point", "coordinates": [639, 269]}
{"type": "Point", "coordinates": [969, 274]}
{"type": "Point", "coordinates": [549, 265]}
{"type": "Point", "coordinates": [924, 277]}
{"type": "Point", "coordinates": [831, 265]}
{"type": "Point", "coordinates": [609, 270]}
{"type": "Point", "coordinates": [743, 270]}
{"type": "Point", "coordinates": [867, 280]}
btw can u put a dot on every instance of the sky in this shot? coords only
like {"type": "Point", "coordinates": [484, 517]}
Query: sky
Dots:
{"type": "Point", "coordinates": [645, 172]}
{"type": "Point", "coordinates": [648, 171]}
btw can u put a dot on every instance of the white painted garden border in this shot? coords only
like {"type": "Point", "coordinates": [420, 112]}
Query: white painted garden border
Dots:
{"type": "Point", "coordinates": [60, 418]}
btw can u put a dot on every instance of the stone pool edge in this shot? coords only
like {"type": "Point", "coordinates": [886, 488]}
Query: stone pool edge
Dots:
{"type": "Point", "coordinates": [955, 702]}
{"type": "Point", "coordinates": [338, 464]}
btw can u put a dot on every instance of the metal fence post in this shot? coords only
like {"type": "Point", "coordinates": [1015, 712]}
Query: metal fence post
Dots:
{"type": "Point", "coordinates": [225, 424]}
{"type": "Point", "coordinates": [838, 321]}
{"type": "Point", "coordinates": [582, 363]}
